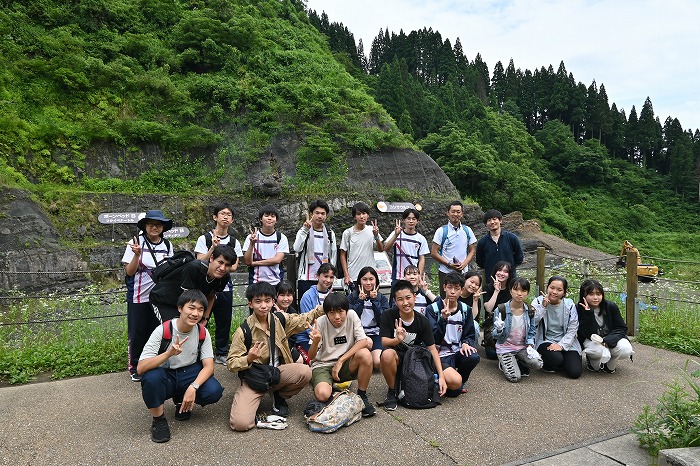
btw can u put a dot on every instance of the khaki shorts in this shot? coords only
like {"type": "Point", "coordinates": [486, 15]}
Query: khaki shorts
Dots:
{"type": "Point", "coordinates": [324, 374]}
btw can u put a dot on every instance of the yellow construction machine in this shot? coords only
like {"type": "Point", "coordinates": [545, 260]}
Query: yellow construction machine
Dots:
{"type": "Point", "coordinates": [645, 272]}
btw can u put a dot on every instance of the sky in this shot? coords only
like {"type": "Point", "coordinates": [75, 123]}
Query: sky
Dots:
{"type": "Point", "coordinates": [636, 48]}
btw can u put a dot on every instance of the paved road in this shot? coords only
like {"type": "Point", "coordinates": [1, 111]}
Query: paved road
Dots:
{"type": "Point", "coordinates": [102, 420]}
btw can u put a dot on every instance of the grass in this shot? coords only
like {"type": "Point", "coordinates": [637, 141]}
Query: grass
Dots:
{"type": "Point", "coordinates": [669, 311]}
{"type": "Point", "coordinates": [69, 336]}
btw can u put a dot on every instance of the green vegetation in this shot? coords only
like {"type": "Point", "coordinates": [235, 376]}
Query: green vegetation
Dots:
{"type": "Point", "coordinates": [181, 80]}
{"type": "Point", "coordinates": [69, 336]}
{"type": "Point", "coordinates": [673, 423]}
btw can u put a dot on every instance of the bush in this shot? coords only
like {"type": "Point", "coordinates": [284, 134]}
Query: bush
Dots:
{"type": "Point", "coordinates": [675, 422]}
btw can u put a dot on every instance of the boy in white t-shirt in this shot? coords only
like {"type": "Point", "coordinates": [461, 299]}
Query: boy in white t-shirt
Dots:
{"type": "Point", "coordinates": [455, 337]}
{"type": "Point", "coordinates": [424, 297]}
{"type": "Point", "coordinates": [264, 250]}
{"type": "Point", "coordinates": [358, 243]}
{"type": "Point", "coordinates": [409, 246]}
{"type": "Point", "coordinates": [340, 351]}
{"type": "Point", "coordinates": [222, 309]}
{"type": "Point", "coordinates": [314, 245]}
{"type": "Point", "coordinates": [454, 244]}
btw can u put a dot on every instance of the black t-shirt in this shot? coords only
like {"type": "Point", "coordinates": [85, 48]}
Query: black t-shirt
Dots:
{"type": "Point", "coordinates": [419, 332]}
{"type": "Point", "coordinates": [194, 277]}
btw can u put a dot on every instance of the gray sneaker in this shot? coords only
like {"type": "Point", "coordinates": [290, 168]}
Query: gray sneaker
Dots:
{"type": "Point", "coordinates": [220, 360]}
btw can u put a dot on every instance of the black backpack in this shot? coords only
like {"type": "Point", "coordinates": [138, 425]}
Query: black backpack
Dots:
{"type": "Point", "coordinates": [416, 387]}
{"type": "Point", "coordinates": [171, 267]}
{"type": "Point", "coordinates": [168, 278]}
{"type": "Point", "coordinates": [248, 337]}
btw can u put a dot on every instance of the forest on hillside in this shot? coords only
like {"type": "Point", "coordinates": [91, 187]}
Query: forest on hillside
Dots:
{"type": "Point", "coordinates": [209, 86]}
{"type": "Point", "coordinates": [536, 141]}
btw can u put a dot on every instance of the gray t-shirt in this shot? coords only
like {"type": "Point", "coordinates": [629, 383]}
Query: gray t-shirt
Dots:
{"type": "Point", "coordinates": [554, 322]}
{"type": "Point", "coordinates": [335, 342]}
{"type": "Point", "coordinates": [359, 246]}
{"type": "Point", "coordinates": [189, 349]}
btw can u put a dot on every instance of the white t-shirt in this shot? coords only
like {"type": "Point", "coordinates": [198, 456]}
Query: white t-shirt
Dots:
{"type": "Point", "coordinates": [359, 246]}
{"type": "Point", "coordinates": [189, 348]}
{"type": "Point", "coordinates": [452, 340]}
{"type": "Point", "coordinates": [265, 248]}
{"type": "Point", "coordinates": [420, 304]}
{"type": "Point", "coordinates": [369, 323]}
{"type": "Point", "coordinates": [456, 246]}
{"type": "Point", "coordinates": [408, 249]}
{"type": "Point", "coordinates": [201, 248]}
{"type": "Point", "coordinates": [143, 284]}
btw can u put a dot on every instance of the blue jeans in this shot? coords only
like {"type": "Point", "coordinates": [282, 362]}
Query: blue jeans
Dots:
{"type": "Point", "coordinates": [160, 384]}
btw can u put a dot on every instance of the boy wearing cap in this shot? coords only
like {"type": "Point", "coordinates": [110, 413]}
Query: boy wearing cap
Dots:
{"type": "Point", "coordinates": [141, 256]}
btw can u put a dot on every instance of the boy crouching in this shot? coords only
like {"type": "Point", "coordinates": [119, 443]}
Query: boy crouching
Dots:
{"type": "Point", "coordinates": [340, 351]}
{"type": "Point", "coordinates": [292, 377]}
{"type": "Point", "coordinates": [180, 367]}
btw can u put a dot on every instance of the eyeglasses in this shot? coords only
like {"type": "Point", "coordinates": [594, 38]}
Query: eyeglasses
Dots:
{"type": "Point", "coordinates": [225, 214]}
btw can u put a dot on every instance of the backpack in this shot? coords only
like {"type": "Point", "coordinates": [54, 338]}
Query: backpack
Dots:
{"type": "Point", "coordinates": [444, 236]}
{"type": "Point", "coordinates": [416, 384]}
{"type": "Point", "coordinates": [283, 269]}
{"type": "Point", "coordinates": [171, 267]}
{"type": "Point", "coordinates": [168, 336]}
{"type": "Point", "coordinates": [343, 410]}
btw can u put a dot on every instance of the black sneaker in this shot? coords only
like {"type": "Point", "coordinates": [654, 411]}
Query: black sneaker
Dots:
{"type": "Point", "coordinates": [368, 410]}
{"type": "Point", "coordinates": [185, 416]}
{"type": "Point", "coordinates": [606, 369]}
{"type": "Point", "coordinates": [160, 432]}
{"type": "Point", "coordinates": [590, 366]}
{"type": "Point", "coordinates": [279, 405]}
{"type": "Point", "coordinates": [390, 403]}
{"type": "Point", "coordinates": [524, 371]}
{"type": "Point", "coordinates": [135, 377]}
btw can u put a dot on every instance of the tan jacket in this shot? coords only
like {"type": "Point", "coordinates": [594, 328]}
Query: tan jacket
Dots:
{"type": "Point", "coordinates": [237, 359]}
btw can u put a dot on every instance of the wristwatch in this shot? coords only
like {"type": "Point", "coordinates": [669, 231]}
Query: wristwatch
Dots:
{"type": "Point", "coordinates": [195, 385]}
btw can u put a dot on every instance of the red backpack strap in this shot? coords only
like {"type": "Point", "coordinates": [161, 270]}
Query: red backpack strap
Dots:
{"type": "Point", "coordinates": [202, 333]}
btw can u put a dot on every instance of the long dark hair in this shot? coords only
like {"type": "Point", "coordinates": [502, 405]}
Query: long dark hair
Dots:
{"type": "Point", "coordinates": [587, 287]}
{"type": "Point", "coordinates": [363, 272]}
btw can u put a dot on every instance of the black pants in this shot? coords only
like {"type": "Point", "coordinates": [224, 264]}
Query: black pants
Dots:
{"type": "Point", "coordinates": [222, 311]}
{"type": "Point", "coordinates": [140, 323]}
{"type": "Point", "coordinates": [568, 361]}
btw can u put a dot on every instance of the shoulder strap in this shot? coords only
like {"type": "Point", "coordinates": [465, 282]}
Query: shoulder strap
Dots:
{"type": "Point", "coordinates": [247, 337]}
{"type": "Point", "coordinates": [444, 238]}
{"type": "Point", "coordinates": [167, 336]}
{"type": "Point", "coordinates": [279, 236]}
{"type": "Point", "coordinates": [502, 309]}
{"type": "Point", "coordinates": [466, 230]}
{"type": "Point", "coordinates": [530, 310]}
{"type": "Point", "coordinates": [208, 239]}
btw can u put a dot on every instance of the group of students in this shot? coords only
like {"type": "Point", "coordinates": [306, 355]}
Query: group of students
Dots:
{"type": "Point", "coordinates": [333, 338]}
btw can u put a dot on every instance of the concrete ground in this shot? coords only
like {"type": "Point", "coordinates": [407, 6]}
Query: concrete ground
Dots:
{"type": "Point", "coordinates": [545, 420]}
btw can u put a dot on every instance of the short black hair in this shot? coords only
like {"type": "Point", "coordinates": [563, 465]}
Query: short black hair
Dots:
{"type": "Point", "coordinates": [225, 250]}
{"type": "Point", "coordinates": [455, 203]}
{"type": "Point", "coordinates": [401, 285]}
{"type": "Point", "coordinates": [325, 268]}
{"type": "Point", "coordinates": [192, 296]}
{"type": "Point", "coordinates": [260, 289]}
{"type": "Point", "coordinates": [359, 208]}
{"type": "Point", "coordinates": [364, 271]}
{"type": "Point", "coordinates": [454, 278]}
{"type": "Point", "coordinates": [224, 205]}
{"type": "Point", "coordinates": [492, 213]}
{"type": "Point", "coordinates": [335, 301]}
{"type": "Point", "coordinates": [410, 211]}
{"type": "Point", "coordinates": [268, 209]}
{"type": "Point", "coordinates": [319, 203]}
{"type": "Point", "coordinates": [284, 287]}
{"type": "Point", "coordinates": [520, 282]}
